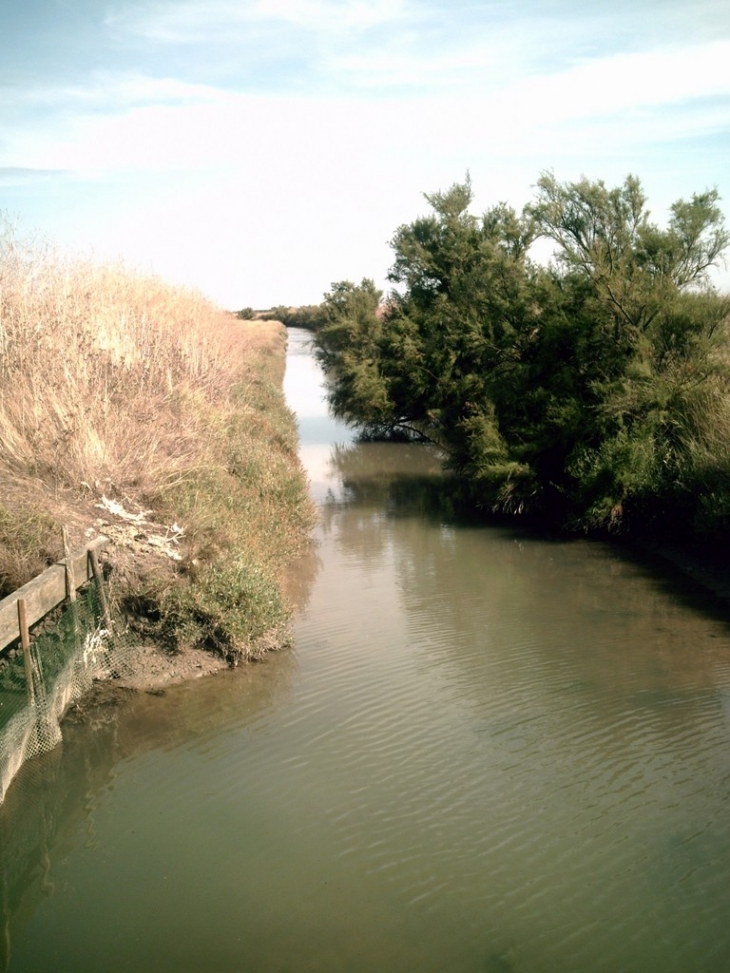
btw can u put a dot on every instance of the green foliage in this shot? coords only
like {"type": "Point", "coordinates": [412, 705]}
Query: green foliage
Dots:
{"type": "Point", "coordinates": [231, 607]}
{"type": "Point", "coordinates": [593, 392]}
{"type": "Point", "coordinates": [311, 317]}
{"type": "Point", "coordinates": [346, 345]}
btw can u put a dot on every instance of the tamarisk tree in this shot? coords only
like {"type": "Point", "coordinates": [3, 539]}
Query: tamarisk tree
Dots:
{"type": "Point", "coordinates": [593, 391]}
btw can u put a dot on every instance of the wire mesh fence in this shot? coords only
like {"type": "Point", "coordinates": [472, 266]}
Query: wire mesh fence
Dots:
{"type": "Point", "coordinates": [64, 663]}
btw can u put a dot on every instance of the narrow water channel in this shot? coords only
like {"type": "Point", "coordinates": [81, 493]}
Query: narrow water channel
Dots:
{"type": "Point", "coordinates": [486, 752]}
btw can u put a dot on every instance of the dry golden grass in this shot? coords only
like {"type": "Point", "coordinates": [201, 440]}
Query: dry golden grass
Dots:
{"type": "Point", "coordinates": [96, 367]}
{"type": "Point", "coordinates": [118, 385]}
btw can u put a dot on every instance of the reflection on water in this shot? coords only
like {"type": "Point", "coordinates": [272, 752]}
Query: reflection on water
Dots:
{"type": "Point", "coordinates": [53, 804]}
{"type": "Point", "coordinates": [489, 751]}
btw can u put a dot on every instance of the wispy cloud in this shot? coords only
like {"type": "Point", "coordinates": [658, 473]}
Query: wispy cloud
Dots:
{"type": "Point", "coordinates": [406, 66]}
{"type": "Point", "coordinates": [135, 121]}
{"type": "Point", "coordinates": [333, 115]}
{"type": "Point", "coordinates": [191, 22]}
{"type": "Point", "coordinates": [113, 91]}
{"type": "Point", "coordinates": [14, 175]}
{"type": "Point", "coordinates": [626, 83]}
{"type": "Point", "coordinates": [383, 47]}
{"type": "Point", "coordinates": [351, 15]}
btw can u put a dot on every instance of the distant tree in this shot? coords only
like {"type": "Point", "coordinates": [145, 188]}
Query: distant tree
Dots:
{"type": "Point", "coordinates": [309, 316]}
{"type": "Point", "coordinates": [347, 347]}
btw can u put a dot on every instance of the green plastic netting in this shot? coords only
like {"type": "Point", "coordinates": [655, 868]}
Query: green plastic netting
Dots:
{"type": "Point", "coordinates": [65, 661]}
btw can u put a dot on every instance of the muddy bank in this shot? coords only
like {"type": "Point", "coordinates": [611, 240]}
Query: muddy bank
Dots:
{"type": "Point", "coordinates": [155, 670]}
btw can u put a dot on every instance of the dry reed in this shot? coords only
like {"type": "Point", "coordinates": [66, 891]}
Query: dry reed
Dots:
{"type": "Point", "coordinates": [96, 367]}
{"type": "Point", "coordinates": [115, 384]}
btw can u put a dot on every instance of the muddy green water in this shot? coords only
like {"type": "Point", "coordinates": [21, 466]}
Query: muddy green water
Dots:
{"type": "Point", "coordinates": [486, 752]}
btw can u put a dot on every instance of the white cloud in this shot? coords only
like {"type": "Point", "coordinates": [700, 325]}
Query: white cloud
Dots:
{"type": "Point", "coordinates": [266, 198]}
{"type": "Point", "coordinates": [332, 14]}
{"type": "Point", "coordinates": [112, 91]}
{"type": "Point", "coordinates": [633, 98]}
{"type": "Point", "coordinates": [585, 87]}
{"type": "Point", "coordinates": [185, 23]}
{"type": "Point", "coordinates": [626, 82]}
{"type": "Point", "coordinates": [401, 65]}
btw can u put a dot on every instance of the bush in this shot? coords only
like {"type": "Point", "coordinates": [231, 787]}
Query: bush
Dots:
{"type": "Point", "coordinates": [593, 393]}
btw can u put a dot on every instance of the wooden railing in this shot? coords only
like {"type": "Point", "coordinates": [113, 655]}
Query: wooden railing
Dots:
{"type": "Point", "coordinates": [29, 604]}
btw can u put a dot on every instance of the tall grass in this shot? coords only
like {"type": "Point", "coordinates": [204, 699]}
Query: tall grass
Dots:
{"type": "Point", "coordinates": [96, 366]}
{"type": "Point", "coordinates": [116, 384]}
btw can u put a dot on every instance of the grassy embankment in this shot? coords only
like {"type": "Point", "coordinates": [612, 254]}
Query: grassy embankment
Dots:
{"type": "Point", "coordinates": [118, 387]}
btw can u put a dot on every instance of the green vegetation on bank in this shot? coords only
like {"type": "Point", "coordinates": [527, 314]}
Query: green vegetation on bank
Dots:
{"type": "Point", "coordinates": [120, 393]}
{"type": "Point", "coordinates": [311, 317]}
{"type": "Point", "coordinates": [593, 393]}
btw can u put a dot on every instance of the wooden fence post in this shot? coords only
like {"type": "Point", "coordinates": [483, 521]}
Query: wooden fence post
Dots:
{"type": "Point", "coordinates": [99, 578]}
{"type": "Point", "coordinates": [70, 578]}
{"type": "Point", "coordinates": [70, 581]}
{"type": "Point", "coordinates": [25, 645]}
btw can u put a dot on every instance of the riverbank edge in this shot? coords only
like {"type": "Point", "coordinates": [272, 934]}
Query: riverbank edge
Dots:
{"type": "Point", "coordinates": [154, 667]}
{"type": "Point", "coordinates": [145, 576]}
{"type": "Point", "coordinates": [685, 566]}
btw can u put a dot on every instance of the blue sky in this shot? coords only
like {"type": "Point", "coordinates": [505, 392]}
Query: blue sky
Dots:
{"type": "Point", "coordinates": [261, 149]}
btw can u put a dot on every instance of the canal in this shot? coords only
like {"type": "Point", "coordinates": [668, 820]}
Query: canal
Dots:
{"type": "Point", "coordinates": [487, 751]}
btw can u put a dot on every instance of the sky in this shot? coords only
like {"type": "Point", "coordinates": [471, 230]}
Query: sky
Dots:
{"type": "Point", "coordinates": [260, 150]}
